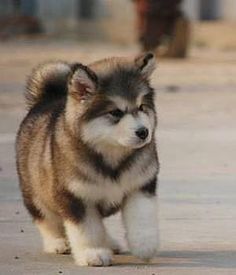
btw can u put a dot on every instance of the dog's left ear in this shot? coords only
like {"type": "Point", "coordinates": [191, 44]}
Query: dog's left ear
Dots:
{"type": "Point", "coordinates": [146, 64]}
{"type": "Point", "coordinates": [83, 82]}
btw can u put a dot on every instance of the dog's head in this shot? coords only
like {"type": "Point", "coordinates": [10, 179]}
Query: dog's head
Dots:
{"type": "Point", "coordinates": [114, 101]}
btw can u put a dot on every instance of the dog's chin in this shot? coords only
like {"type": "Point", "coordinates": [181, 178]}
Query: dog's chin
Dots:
{"type": "Point", "coordinates": [138, 146]}
{"type": "Point", "coordinates": [120, 145]}
{"type": "Point", "coordinates": [135, 145]}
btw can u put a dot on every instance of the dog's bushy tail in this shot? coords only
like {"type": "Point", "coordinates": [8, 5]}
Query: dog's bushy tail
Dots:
{"type": "Point", "coordinates": [47, 82]}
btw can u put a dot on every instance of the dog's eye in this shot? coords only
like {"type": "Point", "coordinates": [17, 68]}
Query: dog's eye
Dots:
{"type": "Point", "coordinates": [117, 113]}
{"type": "Point", "coordinates": [141, 107]}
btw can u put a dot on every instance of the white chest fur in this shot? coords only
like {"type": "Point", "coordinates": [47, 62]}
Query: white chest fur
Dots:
{"type": "Point", "coordinates": [113, 191]}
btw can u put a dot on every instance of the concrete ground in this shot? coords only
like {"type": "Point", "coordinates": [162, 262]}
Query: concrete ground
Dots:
{"type": "Point", "coordinates": [197, 145]}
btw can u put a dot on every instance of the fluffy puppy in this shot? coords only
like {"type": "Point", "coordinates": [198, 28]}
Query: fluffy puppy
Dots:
{"type": "Point", "coordinates": [85, 150]}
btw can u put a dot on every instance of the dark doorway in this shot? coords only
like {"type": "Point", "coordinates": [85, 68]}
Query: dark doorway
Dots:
{"type": "Point", "coordinates": [209, 9]}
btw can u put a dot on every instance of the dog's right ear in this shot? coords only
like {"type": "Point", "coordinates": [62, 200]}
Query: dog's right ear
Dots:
{"type": "Point", "coordinates": [83, 82]}
{"type": "Point", "coordinates": [146, 64]}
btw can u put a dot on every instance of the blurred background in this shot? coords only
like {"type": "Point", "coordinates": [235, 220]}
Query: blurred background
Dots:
{"type": "Point", "coordinates": [123, 21]}
{"type": "Point", "coordinates": [195, 44]}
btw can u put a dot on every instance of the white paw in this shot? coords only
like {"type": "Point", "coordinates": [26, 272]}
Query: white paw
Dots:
{"type": "Point", "coordinates": [56, 245]}
{"type": "Point", "coordinates": [144, 250]}
{"type": "Point", "coordinates": [94, 257]}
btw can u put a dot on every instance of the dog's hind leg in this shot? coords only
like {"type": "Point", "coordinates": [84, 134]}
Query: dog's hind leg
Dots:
{"type": "Point", "coordinates": [50, 226]}
{"type": "Point", "coordinates": [53, 235]}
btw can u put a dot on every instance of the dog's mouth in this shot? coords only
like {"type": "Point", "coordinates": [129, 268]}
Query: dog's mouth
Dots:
{"type": "Point", "coordinates": [135, 143]}
{"type": "Point", "coordinates": [141, 144]}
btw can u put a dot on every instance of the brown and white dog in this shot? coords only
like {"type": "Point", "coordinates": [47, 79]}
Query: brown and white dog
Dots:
{"type": "Point", "coordinates": [85, 150]}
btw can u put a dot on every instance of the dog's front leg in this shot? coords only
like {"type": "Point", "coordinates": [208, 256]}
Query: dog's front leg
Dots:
{"type": "Point", "coordinates": [140, 220]}
{"type": "Point", "coordinates": [87, 239]}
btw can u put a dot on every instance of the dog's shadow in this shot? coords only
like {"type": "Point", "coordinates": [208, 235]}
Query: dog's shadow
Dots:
{"type": "Point", "coordinates": [187, 259]}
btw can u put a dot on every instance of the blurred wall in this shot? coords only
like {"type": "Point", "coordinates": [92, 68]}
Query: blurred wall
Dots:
{"type": "Point", "coordinates": [104, 19]}
{"type": "Point", "coordinates": [58, 15]}
{"type": "Point", "coordinates": [119, 21]}
{"type": "Point", "coordinates": [210, 9]}
{"type": "Point", "coordinates": [79, 18]}
{"type": "Point", "coordinates": [228, 9]}
{"type": "Point", "coordinates": [191, 8]}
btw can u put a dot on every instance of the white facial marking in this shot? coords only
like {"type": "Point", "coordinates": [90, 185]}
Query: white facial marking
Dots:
{"type": "Point", "coordinates": [139, 98]}
{"type": "Point", "coordinates": [101, 130]}
{"type": "Point", "coordinates": [121, 103]}
{"type": "Point", "coordinates": [125, 131]}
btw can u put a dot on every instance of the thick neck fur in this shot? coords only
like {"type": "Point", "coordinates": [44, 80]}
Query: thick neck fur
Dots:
{"type": "Point", "coordinates": [113, 155]}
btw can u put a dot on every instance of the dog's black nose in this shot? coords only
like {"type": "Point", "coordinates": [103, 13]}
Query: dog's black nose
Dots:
{"type": "Point", "coordinates": [142, 133]}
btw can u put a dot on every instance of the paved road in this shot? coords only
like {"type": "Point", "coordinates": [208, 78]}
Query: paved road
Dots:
{"type": "Point", "coordinates": [197, 144]}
